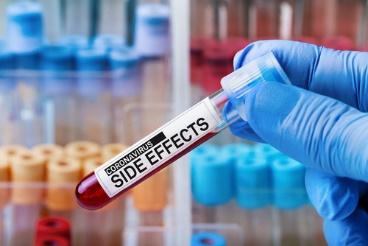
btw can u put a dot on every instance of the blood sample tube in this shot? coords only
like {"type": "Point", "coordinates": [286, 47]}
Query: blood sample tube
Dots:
{"type": "Point", "coordinates": [27, 169]}
{"type": "Point", "coordinates": [177, 137]}
{"type": "Point", "coordinates": [57, 89]}
{"type": "Point", "coordinates": [48, 151]}
{"type": "Point", "coordinates": [4, 194]}
{"type": "Point", "coordinates": [94, 96]}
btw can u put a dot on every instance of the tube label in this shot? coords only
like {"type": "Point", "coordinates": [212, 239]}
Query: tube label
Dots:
{"type": "Point", "coordinates": [154, 150]}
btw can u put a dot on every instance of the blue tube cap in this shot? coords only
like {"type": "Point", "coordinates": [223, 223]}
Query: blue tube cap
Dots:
{"type": "Point", "coordinates": [288, 182]}
{"type": "Point", "coordinates": [91, 64]}
{"type": "Point", "coordinates": [108, 42]}
{"type": "Point", "coordinates": [208, 239]}
{"type": "Point", "coordinates": [57, 58]}
{"type": "Point", "coordinates": [212, 179]}
{"type": "Point", "coordinates": [24, 26]}
{"type": "Point", "coordinates": [253, 182]}
{"type": "Point", "coordinates": [28, 60]}
{"type": "Point", "coordinates": [74, 42]}
{"type": "Point", "coordinates": [234, 151]}
{"type": "Point", "coordinates": [152, 35]}
{"type": "Point", "coordinates": [92, 60]}
{"type": "Point", "coordinates": [240, 82]}
{"type": "Point", "coordinates": [127, 73]}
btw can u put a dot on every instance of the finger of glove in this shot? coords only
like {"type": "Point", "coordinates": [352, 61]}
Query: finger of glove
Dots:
{"type": "Point", "coordinates": [353, 230]}
{"type": "Point", "coordinates": [318, 131]}
{"type": "Point", "coordinates": [342, 75]}
{"type": "Point", "coordinates": [334, 198]}
{"type": "Point", "coordinates": [241, 128]}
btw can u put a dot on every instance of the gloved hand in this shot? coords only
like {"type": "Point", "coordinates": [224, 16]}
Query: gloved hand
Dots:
{"type": "Point", "coordinates": [321, 122]}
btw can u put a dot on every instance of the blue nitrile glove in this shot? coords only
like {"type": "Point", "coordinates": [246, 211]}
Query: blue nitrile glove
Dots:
{"type": "Point", "coordinates": [321, 122]}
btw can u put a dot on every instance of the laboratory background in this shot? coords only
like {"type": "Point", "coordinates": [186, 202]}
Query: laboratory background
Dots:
{"type": "Point", "coordinates": [82, 80]}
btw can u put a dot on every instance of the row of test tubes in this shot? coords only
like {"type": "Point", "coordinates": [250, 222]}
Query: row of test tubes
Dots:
{"type": "Point", "coordinates": [53, 92]}
{"type": "Point", "coordinates": [286, 19]}
{"type": "Point", "coordinates": [40, 182]}
{"type": "Point", "coordinates": [66, 98]}
{"type": "Point", "coordinates": [253, 195]}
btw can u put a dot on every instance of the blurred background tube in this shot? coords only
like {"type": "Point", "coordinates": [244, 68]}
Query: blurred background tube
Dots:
{"type": "Point", "coordinates": [59, 99]}
{"type": "Point", "coordinates": [212, 185]}
{"type": "Point", "coordinates": [253, 195]}
{"type": "Point", "coordinates": [291, 220]}
{"type": "Point", "coordinates": [94, 97]}
{"type": "Point", "coordinates": [126, 87]}
{"type": "Point", "coordinates": [263, 19]}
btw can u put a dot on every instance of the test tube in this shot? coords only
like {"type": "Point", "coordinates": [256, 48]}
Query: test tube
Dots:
{"type": "Point", "coordinates": [253, 196]}
{"type": "Point", "coordinates": [4, 194]}
{"type": "Point", "coordinates": [8, 99]}
{"type": "Point", "coordinates": [62, 174]}
{"type": "Point", "coordinates": [76, 12]}
{"type": "Point", "coordinates": [290, 200]}
{"type": "Point", "coordinates": [178, 137]}
{"type": "Point", "coordinates": [263, 19]}
{"type": "Point", "coordinates": [126, 87]}
{"type": "Point", "coordinates": [112, 11]}
{"type": "Point", "coordinates": [212, 185]}
{"type": "Point", "coordinates": [27, 170]}
{"type": "Point", "coordinates": [93, 96]}
{"type": "Point", "coordinates": [59, 98]}
{"type": "Point", "coordinates": [24, 27]}
{"type": "Point", "coordinates": [150, 198]}
{"type": "Point", "coordinates": [153, 44]}
{"type": "Point", "coordinates": [238, 18]}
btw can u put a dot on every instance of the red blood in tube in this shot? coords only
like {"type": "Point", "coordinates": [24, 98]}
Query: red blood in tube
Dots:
{"type": "Point", "coordinates": [91, 195]}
